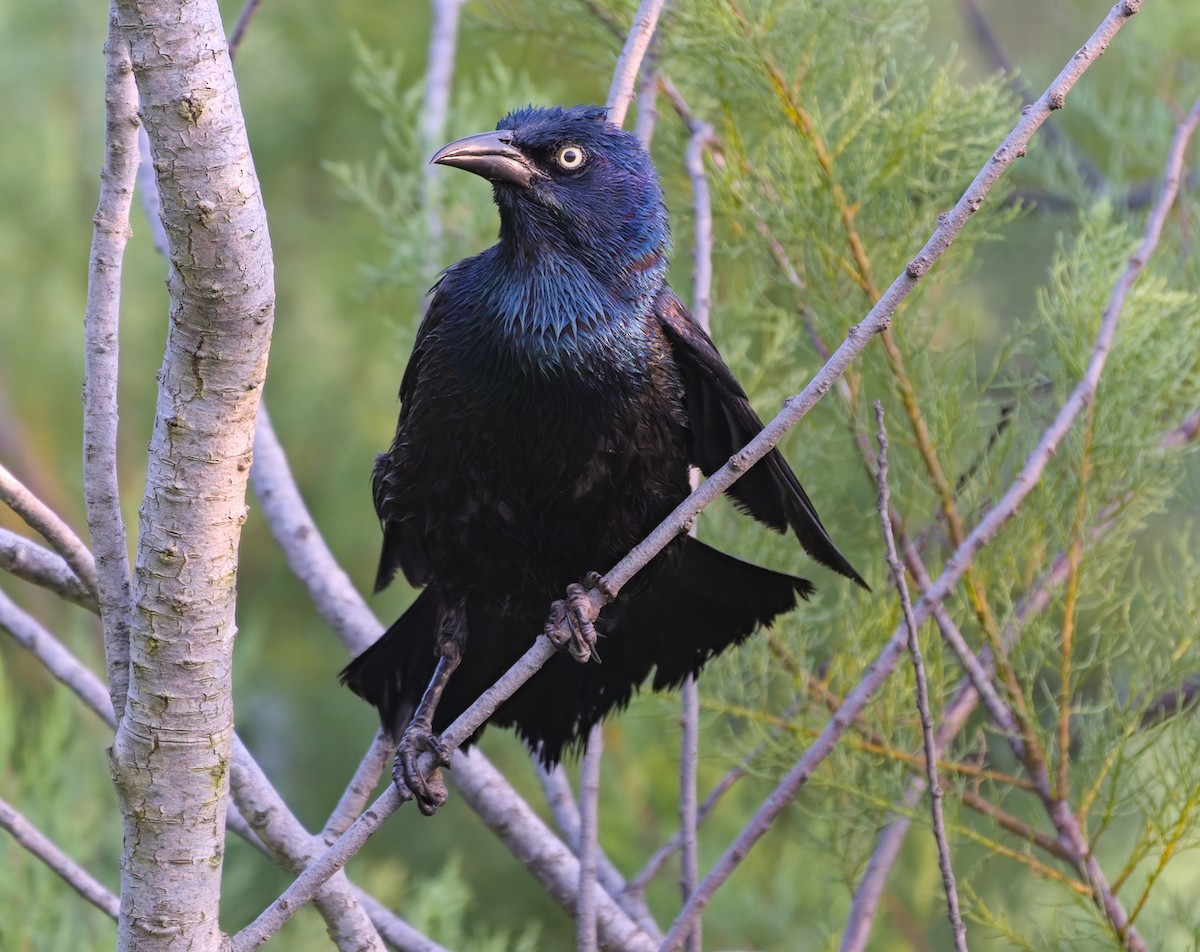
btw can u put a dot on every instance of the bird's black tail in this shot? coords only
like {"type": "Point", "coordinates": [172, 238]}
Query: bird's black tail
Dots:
{"type": "Point", "coordinates": [710, 602]}
{"type": "Point", "coordinates": [707, 603]}
{"type": "Point", "coordinates": [386, 675]}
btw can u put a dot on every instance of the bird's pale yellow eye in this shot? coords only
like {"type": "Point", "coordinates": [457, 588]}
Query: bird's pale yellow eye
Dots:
{"type": "Point", "coordinates": [570, 157]}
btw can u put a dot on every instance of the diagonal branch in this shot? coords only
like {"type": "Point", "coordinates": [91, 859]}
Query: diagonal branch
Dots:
{"type": "Point", "coordinates": [34, 841]}
{"type": "Point", "coordinates": [27, 560]}
{"type": "Point", "coordinates": [43, 520]}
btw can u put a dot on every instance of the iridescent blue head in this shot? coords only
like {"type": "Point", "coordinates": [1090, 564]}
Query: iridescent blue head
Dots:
{"type": "Point", "coordinates": [570, 184]}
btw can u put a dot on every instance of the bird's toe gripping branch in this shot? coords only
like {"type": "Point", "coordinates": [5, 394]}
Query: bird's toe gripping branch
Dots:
{"type": "Point", "coordinates": [412, 781]}
{"type": "Point", "coordinates": [571, 622]}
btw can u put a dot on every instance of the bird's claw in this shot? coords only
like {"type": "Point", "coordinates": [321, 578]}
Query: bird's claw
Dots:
{"type": "Point", "coordinates": [570, 623]}
{"type": "Point", "coordinates": [413, 783]}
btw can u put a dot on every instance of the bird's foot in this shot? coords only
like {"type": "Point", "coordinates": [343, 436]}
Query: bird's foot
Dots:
{"type": "Point", "coordinates": [414, 783]}
{"type": "Point", "coordinates": [570, 624]}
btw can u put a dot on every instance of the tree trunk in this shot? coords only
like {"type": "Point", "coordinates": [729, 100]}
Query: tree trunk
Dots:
{"type": "Point", "coordinates": [170, 758]}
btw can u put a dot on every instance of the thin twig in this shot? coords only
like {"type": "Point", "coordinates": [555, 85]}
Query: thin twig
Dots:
{"type": "Point", "coordinates": [74, 875]}
{"type": "Point", "coordinates": [1185, 433]}
{"type": "Point", "coordinates": [914, 650]}
{"type": "Point", "coordinates": [620, 93]}
{"type": "Point", "coordinates": [954, 715]}
{"type": "Point", "coordinates": [358, 791]}
{"type": "Point", "coordinates": [31, 635]}
{"type": "Point", "coordinates": [1015, 825]}
{"type": "Point", "coordinates": [561, 799]}
{"type": "Point", "coordinates": [589, 818]}
{"type": "Point", "coordinates": [439, 76]}
{"type": "Point", "coordinates": [689, 754]}
{"type": "Point", "coordinates": [239, 28]}
{"type": "Point", "coordinates": [101, 319]}
{"type": "Point", "coordinates": [36, 564]}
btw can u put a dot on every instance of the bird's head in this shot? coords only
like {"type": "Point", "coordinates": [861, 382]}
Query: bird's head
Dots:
{"type": "Point", "coordinates": [570, 182]}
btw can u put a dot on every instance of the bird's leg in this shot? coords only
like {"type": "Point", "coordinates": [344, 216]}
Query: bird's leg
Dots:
{"type": "Point", "coordinates": [570, 624]}
{"type": "Point", "coordinates": [429, 790]}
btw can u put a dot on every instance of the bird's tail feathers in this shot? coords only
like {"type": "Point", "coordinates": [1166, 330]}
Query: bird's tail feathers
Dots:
{"type": "Point", "coordinates": [406, 648]}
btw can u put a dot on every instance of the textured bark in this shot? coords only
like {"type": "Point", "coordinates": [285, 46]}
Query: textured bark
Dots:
{"type": "Point", "coordinates": [170, 758]}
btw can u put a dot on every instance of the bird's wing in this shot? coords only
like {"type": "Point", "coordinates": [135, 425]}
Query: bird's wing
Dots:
{"type": "Point", "coordinates": [403, 548]}
{"type": "Point", "coordinates": [723, 421]}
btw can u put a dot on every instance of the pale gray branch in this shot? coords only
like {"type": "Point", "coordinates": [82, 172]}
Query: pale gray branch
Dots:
{"type": "Point", "coordinates": [292, 847]}
{"type": "Point", "coordinates": [914, 650]}
{"type": "Point", "coordinates": [316, 874]}
{"type": "Point", "coordinates": [36, 564]}
{"type": "Point", "coordinates": [439, 77]}
{"type": "Point", "coordinates": [307, 555]}
{"type": "Point", "coordinates": [620, 92]}
{"type": "Point", "coordinates": [689, 755]}
{"type": "Point", "coordinates": [170, 756]}
{"type": "Point", "coordinates": [101, 320]}
{"type": "Point", "coordinates": [561, 799]}
{"type": "Point", "coordinates": [39, 517]}
{"type": "Point", "coordinates": [74, 875]}
{"type": "Point", "coordinates": [589, 822]}
{"type": "Point", "coordinates": [354, 798]}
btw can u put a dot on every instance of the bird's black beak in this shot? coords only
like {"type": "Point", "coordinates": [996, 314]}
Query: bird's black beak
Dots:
{"type": "Point", "coordinates": [490, 154]}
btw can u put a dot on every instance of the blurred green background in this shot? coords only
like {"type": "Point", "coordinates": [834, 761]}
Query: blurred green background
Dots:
{"type": "Point", "coordinates": [344, 322]}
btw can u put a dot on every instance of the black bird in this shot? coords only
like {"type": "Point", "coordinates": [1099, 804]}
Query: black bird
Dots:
{"type": "Point", "coordinates": [556, 395]}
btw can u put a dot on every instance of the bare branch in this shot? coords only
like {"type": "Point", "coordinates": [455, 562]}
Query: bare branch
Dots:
{"type": "Point", "coordinates": [239, 28]}
{"type": "Point", "coordinates": [354, 798]}
{"type": "Point", "coordinates": [689, 754]}
{"type": "Point", "coordinates": [1185, 433]}
{"type": "Point", "coordinates": [316, 874]}
{"type": "Point", "coordinates": [74, 875]}
{"type": "Point", "coordinates": [27, 560]}
{"type": "Point", "coordinates": [561, 799]}
{"type": "Point", "coordinates": [101, 487]}
{"type": "Point", "coordinates": [291, 846]}
{"type": "Point", "coordinates": [589, 819]}
{"type": "Point", "coordinates": [539, 850]}
{"type": "Point", "coordinates": [637, 886]}
{"type": "Point", "coordinates": [34, 638]}
{"type": "Point", "coordinates": [147, 189]}
{"type": "Point", "coordinates": [307, 555]}
{"type": "Point", "coordinates": [620, 93]}
{"type": "Point", "coordinates": [914, 650]}
{"type": "Point", "coordinates": [439, 75]}
{"type": "Point", "coordinates": [39, 517]}
{"type": "Point", "coordinates": [526, 836]}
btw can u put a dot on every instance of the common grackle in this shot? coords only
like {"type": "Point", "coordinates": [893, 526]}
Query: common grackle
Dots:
{"type": "Point", "coordinates": [556, 395]}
